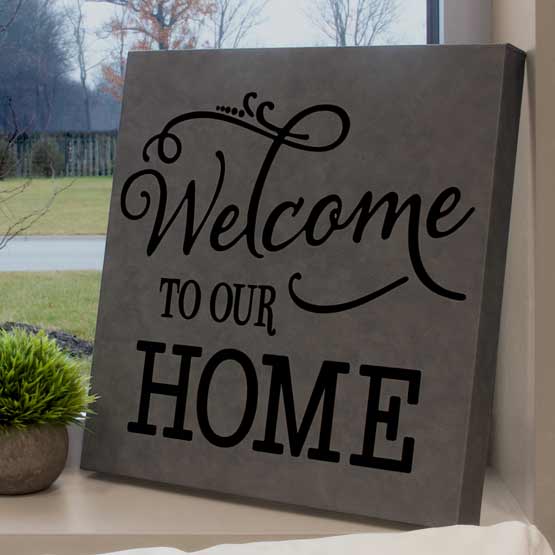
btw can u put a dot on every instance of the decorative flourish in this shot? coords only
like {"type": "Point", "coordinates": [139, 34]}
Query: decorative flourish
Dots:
{"type": "Point", "coordinates": [340, 307]}
{"type": "Point", "coordinates": [259, 124]}
{"type": "Point", "coordinates": [230, 110]}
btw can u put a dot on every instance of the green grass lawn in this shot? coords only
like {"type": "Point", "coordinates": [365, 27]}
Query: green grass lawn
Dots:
{"type": "Point", "coordinates": [80, 210]}
{"type": "Point", "coordinates": [54, 300]}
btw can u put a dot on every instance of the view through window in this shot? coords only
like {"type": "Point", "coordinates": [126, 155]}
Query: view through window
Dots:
{"type": "Point", "coordinates": [62, 64]}
{"type": "Point", "coordinates": [63, 61]}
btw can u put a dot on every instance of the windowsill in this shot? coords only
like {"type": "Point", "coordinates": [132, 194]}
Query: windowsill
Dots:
{"type": "Point", "coordinates": [85, 513]}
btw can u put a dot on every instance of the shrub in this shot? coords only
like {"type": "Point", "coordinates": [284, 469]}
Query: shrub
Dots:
{"type": "Point", "coordinates": [39, 383]}
{"type": "Point", "coordinates": [46, 159]}
{"type": "Point", "coordinates": [7, 159]}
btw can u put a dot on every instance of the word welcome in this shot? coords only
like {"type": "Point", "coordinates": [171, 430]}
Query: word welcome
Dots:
{"type": "Point", "coordinates": [280, 395]}
{"type": "Point", "coordinates": [232, 224]}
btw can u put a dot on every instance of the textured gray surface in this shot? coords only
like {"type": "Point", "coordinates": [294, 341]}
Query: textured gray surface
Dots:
{"type": "Point", "coordinates": [422, 120]}
{"type": "Point", "coordinates": [32, 459]}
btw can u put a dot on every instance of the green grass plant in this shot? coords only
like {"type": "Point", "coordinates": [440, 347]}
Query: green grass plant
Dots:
{"type": "Point", "coordinates": [39, 383]}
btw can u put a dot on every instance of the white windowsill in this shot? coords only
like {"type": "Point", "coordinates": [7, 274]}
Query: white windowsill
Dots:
{"type": "Point", "coordinates": [83, 513]}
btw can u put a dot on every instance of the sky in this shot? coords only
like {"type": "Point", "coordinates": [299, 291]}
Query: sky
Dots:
{"type": "Point", "coordinates": [284, 23]}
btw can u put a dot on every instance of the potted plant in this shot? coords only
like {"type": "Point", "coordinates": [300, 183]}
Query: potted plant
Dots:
{"type": "Point", "coordinates": [42, 390]}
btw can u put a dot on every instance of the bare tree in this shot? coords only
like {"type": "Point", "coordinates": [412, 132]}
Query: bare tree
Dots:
{"type": "Point", "coordinates": [151, 25]}
{"type": "Point", "coordinates": [231, 20]}
{"type": "Point", "coordinates": [12, 14]}
{"type": "Point", "coordinates": [76, 19]}
{"type": "Point", "coordinates": [15, 224]}
{"type": "Point", "coordinates": [355, 22]}
{"type": "Point", "coordinates": [163, 24]}
{"type": "Point", "coordinates": [34, 61]}
{"type": "Point", "coordinates": [9, 14]}
{"type": "Point", "coordinates": [113, 69]}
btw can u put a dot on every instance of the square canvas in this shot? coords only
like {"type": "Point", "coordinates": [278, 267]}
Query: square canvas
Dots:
{"type": "Point", "coordinates": [304, 271]}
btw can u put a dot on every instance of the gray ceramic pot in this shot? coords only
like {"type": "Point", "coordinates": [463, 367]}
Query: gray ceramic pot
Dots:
{"type": "Point", "coordinates": [30, 460]}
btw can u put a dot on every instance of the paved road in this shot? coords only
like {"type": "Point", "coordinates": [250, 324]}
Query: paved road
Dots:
{"type": "Point", "coordinates": [37, 254]}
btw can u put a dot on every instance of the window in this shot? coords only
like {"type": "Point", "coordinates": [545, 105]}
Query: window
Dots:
{"type": "Point", "coordinates": [75, 81]}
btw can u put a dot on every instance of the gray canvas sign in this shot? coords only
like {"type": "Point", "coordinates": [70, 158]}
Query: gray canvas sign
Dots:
{"type": "Point", "coordinates": [303, 277]}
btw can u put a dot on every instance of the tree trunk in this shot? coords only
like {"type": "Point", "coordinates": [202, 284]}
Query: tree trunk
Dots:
{"type": "Point", "coordinates": [87, 103]}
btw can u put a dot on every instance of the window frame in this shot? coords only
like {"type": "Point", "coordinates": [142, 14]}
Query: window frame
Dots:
{"type": "Point", "coordinates": [433, 22]}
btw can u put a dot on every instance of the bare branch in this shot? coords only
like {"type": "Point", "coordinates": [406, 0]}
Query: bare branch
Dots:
{"type": "Point", "coordinates": [25, 222]}
{"type": "Point", "coordinates": [5, 26]}
{"type": "Point", "coordinates": [15, 126]}
{"type": "Point", "coordinates": [355, 22]}
{"type": "Point", "coordinates": [12, 192]}
{"type": "Point", "coordinates": [76, 19]}
{"type": "Point", "coordinates": [45, 78]}
{"type": "Point", "coordinates": [148, 25]}
{"type": "Point", "coordinates": [232, 20]}
{"type": "Point", "coordinates": [115, 2]}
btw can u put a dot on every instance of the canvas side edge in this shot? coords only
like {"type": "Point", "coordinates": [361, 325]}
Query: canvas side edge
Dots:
{"type": "Point", "coordinates": [85, 460]}
{"type": "Point", "coordinates": [478, 432]}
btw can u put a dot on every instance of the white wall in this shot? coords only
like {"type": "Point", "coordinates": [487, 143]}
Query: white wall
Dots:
{"type": "Point", "coordinates": [523, 431]}
{"type": "Point", "coordinates": [466, 21]}
{"type": "Point", "coordinates": [524, 440]}
{"type": "Point", "coordinates": [513, 444]}
{"type": "Point", "coordinates": [544, 66]}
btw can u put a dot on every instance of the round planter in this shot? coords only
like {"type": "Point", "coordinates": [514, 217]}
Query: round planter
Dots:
{"type": "Point", "coordinates": [31, 459]}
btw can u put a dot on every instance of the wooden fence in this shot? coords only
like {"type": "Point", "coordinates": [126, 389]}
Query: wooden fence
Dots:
{"type": "Point", "coordinates": [85, 153]}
